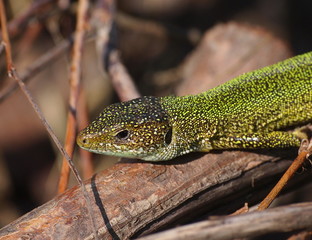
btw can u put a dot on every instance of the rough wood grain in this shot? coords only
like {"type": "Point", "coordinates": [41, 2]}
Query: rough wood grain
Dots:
{"type": "Point", "coordinates": [130, 196]}
{"type": "Point", "coordinates": [254, 224]}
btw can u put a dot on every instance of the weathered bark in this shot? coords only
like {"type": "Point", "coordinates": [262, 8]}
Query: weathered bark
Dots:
{"type": "Point", "coordinates": [130, 197]}
{"type": "Point", "coordinates": [280, 219]}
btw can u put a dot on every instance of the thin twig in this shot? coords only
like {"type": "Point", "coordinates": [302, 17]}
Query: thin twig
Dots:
{"type": "Point", "coordinates": [5, 37]}
{"type": "Point", "coordinates": [74, 81]}
{"type": "Point", "coordinates": [30, 35]}
{"type": "Point", "coordinates": [296, 164]}
{"type": "Point", "coordinates": [121, 80]}
{"type": "Point", "coordinates": [106, 42]}
{"type": "Point", "coordinates": [37, 66]}
{"type": "Point", "coordinates": [12, 72]}
{"type": "Point", "coordinates": [83, 120]}
{"type": "Point", "coordinates": [14, 26]}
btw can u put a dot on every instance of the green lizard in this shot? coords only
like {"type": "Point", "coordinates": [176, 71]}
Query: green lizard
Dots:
{"type": "Point", "coordinates": [248, 112]}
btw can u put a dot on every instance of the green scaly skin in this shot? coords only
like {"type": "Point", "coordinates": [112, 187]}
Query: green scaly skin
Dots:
{"type": "Point", "coordinates": [247, 112]}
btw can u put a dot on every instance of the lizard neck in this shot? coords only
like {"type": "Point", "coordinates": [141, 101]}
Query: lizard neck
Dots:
{"type": "Point", "coordinates": [192, 125]}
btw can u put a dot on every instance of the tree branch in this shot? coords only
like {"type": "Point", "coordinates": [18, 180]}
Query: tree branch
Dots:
{"type": "Point", "coordinates": [254, 224]}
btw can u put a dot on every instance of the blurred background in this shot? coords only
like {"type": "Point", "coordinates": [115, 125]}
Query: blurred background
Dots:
{"type": "Point", "coordinates": [155, 39]}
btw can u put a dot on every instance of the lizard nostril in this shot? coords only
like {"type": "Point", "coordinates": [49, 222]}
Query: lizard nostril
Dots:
{"type": "Point", "coordinates": [82, 140]}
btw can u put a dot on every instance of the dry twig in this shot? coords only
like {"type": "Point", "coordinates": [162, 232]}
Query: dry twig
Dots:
{"type": "Point", "coordinates": [71, 127]}
{"type": "Point", "coordinates": [36, 67]}
{"type": "Point", "coordinates": [106, 40]}
{"type": "Point", "coordinates": [297, 163]}
{"type": "Point", "coordinates": [83, 120]}
{"type": "Point", "coordinates": [74, 81]}
{"type": "Point", "coordinates": [14, 27]}
{"type": "Point", "coordinates": [12, 72]}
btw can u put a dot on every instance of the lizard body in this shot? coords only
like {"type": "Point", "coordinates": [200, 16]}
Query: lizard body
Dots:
{"type": "Point", "coordinates": [248, 112]}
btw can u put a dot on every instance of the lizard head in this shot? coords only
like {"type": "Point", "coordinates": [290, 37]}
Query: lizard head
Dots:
{"type": "Point", "coordinates": [139, 128]}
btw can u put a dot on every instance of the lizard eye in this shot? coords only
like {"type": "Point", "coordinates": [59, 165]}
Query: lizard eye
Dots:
{"type": "Point", "coordinates": [122, 135]}
{"type": "Point", "coordinates": [168, 136]}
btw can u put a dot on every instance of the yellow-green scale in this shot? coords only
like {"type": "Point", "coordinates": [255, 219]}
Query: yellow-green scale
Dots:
{"type": "Point", "coordinates": [249, 111]}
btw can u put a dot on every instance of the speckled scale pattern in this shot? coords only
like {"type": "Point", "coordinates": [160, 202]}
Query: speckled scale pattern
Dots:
{"type": "Point", "coordinates": [241, 112]}
{"type": "Point", "coordinates": [249, 111]}
{"type": "Point", "coordinates": [143, 118]}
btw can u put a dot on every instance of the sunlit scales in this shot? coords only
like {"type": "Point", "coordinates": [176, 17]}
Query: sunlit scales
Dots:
{"type": "Point", "coordinates": [249, 111]}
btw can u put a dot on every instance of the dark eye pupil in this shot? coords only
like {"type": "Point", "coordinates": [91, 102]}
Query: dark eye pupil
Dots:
{"type": "Point", "coordinates": [122, 135]}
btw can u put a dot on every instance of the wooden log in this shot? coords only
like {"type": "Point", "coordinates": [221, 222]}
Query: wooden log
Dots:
{"type": "Point", "coordinates": [131, 197]}
{"type": "Point", "coordinates": [280, 219]}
